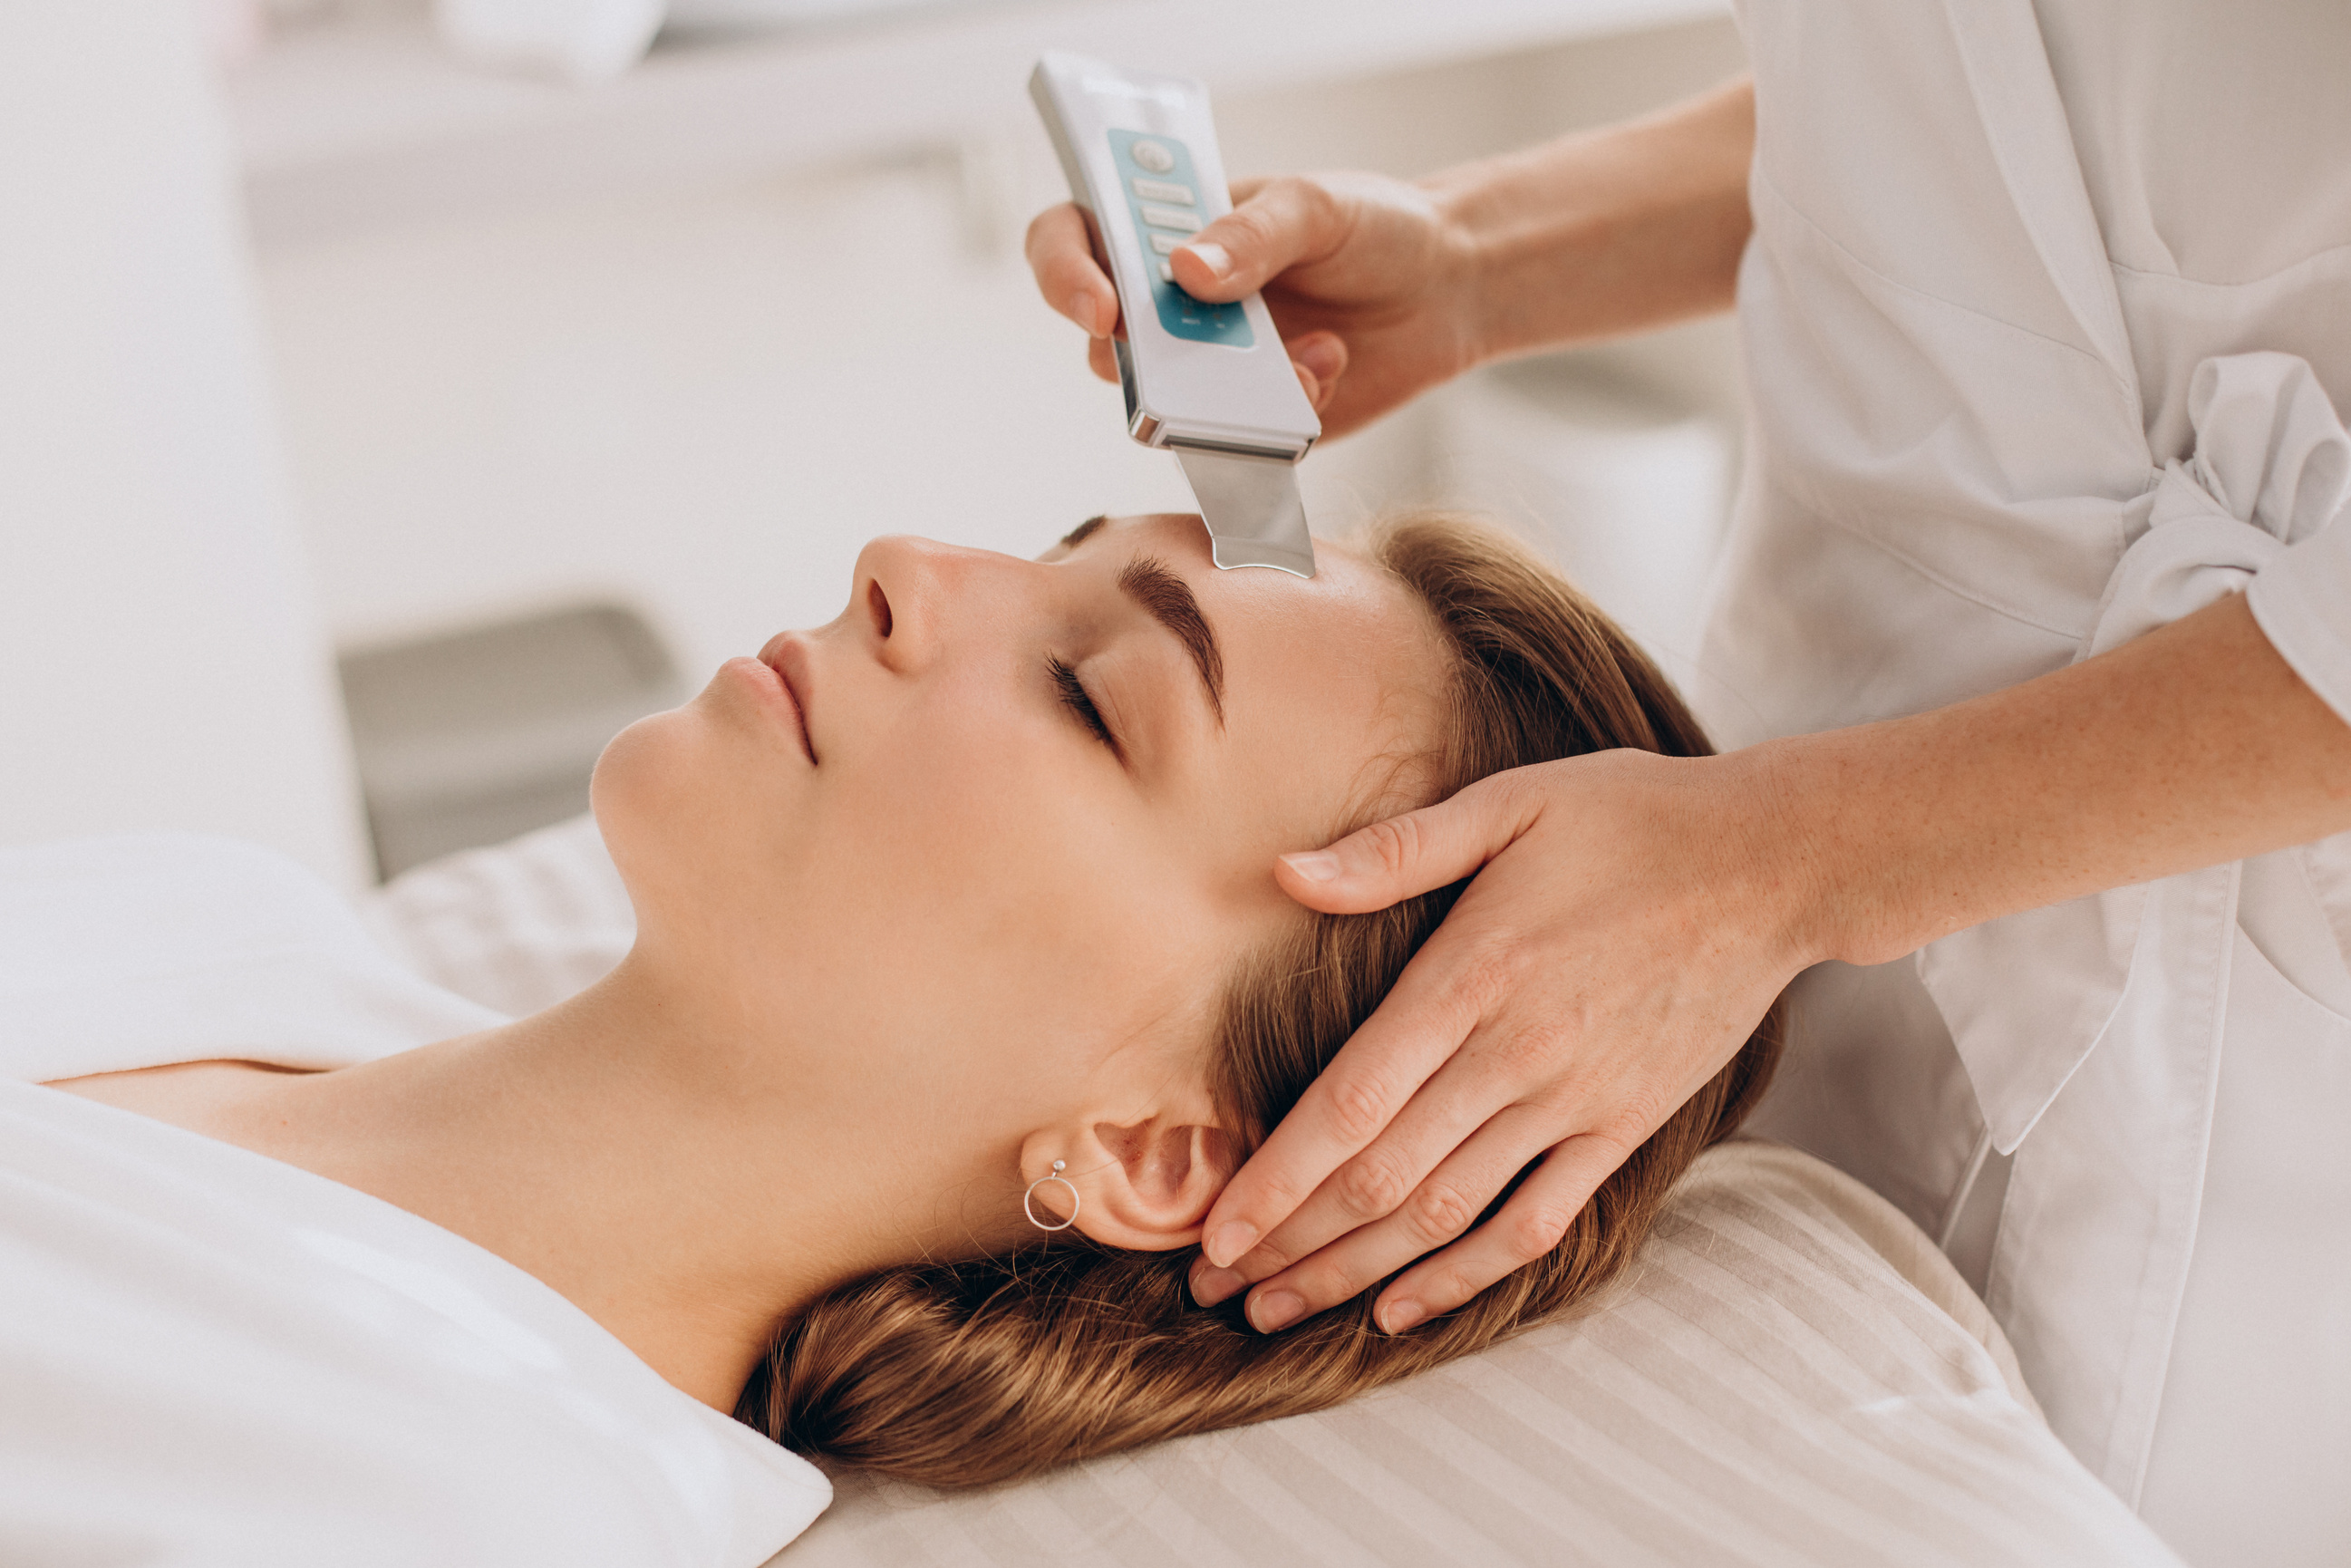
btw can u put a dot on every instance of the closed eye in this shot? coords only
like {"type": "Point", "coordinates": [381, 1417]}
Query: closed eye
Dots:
{"type": "Point", "coordinates": [1075, 698]}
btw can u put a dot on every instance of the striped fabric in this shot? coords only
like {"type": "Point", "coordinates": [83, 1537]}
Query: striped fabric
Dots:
{"type": "Point", "coordinates": [1791, 1375]}
{"type": "Point", "coordinates": [1775, 1385]}
{"type": "Point", "coordinates": [516, 927]}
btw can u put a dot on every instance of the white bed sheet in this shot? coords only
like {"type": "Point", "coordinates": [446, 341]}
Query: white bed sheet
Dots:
{"type": "Point", "coordinates": [211, 1359]}
{"type": "Point", "coordinates": [1791, 1375]}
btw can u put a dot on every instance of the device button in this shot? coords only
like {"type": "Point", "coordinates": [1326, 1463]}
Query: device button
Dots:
{"type": "Point", "coordinates": [1165, 244]}
{"type": "Point", "coordinates": [1171, 218]}
{"type": "Point", "coordinates": [1166, 272]}
{"type": "Point", "coordinates": [1151, 155]}
{"type": "Point", "coordinates": [1166, 190]}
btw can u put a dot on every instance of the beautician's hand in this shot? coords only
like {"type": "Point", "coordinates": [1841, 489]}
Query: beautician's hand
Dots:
{"type": "Point", "coordinates": [1635, 918]}
{"type": "Point", "coordinates": [1366, 277]}
{"type": "Point", "coordinates": [1636, 913]}
{"type": "Point", "coordinates": [1383, 289]}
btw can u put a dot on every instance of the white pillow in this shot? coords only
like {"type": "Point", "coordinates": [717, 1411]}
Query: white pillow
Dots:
{"type": "Point", "coordinates": [518, 927]}
{"type": "Point", "coordinates": [1769, 1387]}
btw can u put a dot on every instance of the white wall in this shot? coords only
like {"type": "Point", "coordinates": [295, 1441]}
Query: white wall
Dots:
{"type": "Point", "coordinates": [698, 402]}
{"type": "Point", "coordinates": [702, 402]}
{"type": "Point", "coordinates": [703, 406]}
{"type": "Point", "coordinates": [160, 663]}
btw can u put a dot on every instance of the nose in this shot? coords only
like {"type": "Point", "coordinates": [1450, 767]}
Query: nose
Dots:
{"type": "Point", "coordinates": [907, 591]}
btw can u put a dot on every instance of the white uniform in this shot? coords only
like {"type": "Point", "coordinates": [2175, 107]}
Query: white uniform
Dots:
{"type": "Point", "coordinates": [2047, 316]}
{"type": "Point", "coordinates": [211, 1358]}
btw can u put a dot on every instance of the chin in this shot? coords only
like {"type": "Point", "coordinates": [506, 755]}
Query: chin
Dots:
{"type": "Point", "coordinates": [700, 820]}
{"type": "Point", "coordinates": [644, 794]}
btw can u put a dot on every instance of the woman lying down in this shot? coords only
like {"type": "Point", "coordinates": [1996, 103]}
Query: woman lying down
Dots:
{"type": "Point", "coordinates": [961, 984]}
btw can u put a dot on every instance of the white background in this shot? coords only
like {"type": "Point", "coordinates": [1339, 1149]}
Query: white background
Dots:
{"type": "Point", "coordinates": [695, 386]}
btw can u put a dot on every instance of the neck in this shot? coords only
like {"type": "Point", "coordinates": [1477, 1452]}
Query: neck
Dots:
{"type": "Point", "coordinates": [666, 1179]}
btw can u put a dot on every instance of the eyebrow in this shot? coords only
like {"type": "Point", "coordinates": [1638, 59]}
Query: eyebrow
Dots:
{"type": "Point", "coordinates": [1167, 599]}
{"type": "Point", "coordinates": [1084, 531]}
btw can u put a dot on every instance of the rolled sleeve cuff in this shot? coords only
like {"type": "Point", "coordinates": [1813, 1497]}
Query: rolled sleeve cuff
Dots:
{"type": "Point", "coordinates": [2301, 601]}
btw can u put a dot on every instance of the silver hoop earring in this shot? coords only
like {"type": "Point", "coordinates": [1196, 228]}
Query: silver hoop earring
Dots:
{"type": "Point", "coordinates": [1075, 1198]}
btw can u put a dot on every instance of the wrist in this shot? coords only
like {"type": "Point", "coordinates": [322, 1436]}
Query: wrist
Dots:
{"type": "Point", "coordinates": [1621, 229]}
{"type": "Point", "coordinates": [1874, 861]}
{"type": "Point", "coordinates": [1515, 228]}
{"type": "Point", "coordinates": [1809, 879]}
{"type": "Point", "coordinates": [1471, 219]}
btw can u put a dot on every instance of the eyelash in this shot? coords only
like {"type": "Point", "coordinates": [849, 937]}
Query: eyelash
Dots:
{"type": "Point", "coordinates": [1075, 698]}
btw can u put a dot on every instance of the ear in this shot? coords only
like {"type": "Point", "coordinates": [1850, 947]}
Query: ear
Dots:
{"type": "Point", "coordinates": [1143, 1185]}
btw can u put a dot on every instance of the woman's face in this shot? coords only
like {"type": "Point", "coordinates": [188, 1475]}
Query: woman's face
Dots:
{"type": "Point", "coordinates": [986, 849]}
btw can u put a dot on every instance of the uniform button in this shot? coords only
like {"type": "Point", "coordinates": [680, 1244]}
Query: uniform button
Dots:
{"type": "Point", "coordinates": [1151, 155]}
{"type": "Point", "coordinates": [1171, 218]}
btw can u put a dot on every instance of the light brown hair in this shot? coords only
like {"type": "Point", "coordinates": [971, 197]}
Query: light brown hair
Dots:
{"type": "Point", "coordinates": [967, 1373]}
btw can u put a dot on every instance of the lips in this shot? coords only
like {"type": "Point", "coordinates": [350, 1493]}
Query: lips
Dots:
{"type": "Point", "coordinates": [786, 654]}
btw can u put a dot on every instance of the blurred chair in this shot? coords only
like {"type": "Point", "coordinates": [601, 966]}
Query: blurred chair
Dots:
{"type": "Point", "coordinates": [475, 736]}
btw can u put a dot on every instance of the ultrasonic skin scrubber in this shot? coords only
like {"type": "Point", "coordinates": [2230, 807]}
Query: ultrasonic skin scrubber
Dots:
{"type": "Point", "coordinates": [1212, 382]}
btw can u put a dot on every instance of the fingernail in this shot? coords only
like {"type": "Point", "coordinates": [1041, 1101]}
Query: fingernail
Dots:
{"type": "Point", "coordinates": [1219, 260]}
{"type": "Point", "coordinates": [1398, 1316]}
{"type": "Point", "coordinates": [1210, 1286]}
{"type": "Point", "coordinates": [1320, 355]}
{"type": "Point", "coordinates": [1082, 310]}
{"type": "Point", "coordinates": [1226, 1244]}
{"type": "Point", "coordinates": [1275, 1311]}
{"type": "Point", "coordinates": [1314, 867]}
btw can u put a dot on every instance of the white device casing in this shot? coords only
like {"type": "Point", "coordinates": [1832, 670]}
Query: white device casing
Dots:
{"type": "Point", "coordinates": [1179, 392]}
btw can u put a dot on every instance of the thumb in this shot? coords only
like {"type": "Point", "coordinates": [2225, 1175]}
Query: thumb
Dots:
{"type": "Point", "coordinates": [1283, 222]}
{"type": "Point", "coordinates": [1404, 856]}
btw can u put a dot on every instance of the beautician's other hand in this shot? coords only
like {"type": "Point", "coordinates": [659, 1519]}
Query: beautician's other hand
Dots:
{"type": "Point", "coordinates": [1367, 279]}
{"type": "Point", "coordinates": [1633, 919]}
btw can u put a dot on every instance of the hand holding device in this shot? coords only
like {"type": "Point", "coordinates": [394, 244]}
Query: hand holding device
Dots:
{"type": "Point", "coordinates": [1209, 380]}
{"type": "Point", "coordinates": [1362, 275]}
{"type": "Point", "coordinates": [1385, 287]}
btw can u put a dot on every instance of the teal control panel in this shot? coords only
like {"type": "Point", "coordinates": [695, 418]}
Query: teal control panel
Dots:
{"type": "Point", "coordinates": [1162, 196]}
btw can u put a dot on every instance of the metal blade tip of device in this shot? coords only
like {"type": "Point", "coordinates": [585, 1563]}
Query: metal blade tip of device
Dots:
{"type": "Point", "coordinates": [1252, 508]}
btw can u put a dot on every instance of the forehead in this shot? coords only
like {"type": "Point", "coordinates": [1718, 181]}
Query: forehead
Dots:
{"type": "Point", "coordinates": [1331, 683]}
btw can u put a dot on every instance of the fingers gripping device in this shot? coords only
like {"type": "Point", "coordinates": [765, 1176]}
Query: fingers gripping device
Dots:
{"type": "Point", "coordinates": [1210, 381]}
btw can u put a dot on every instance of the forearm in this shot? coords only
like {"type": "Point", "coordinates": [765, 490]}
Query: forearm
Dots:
{"type": "Point", "coordinates": [1608, 231]}
{"type": "Point", "coordinates": [2194, 745]}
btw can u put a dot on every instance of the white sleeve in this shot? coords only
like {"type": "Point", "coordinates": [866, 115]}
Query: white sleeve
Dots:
{"type": "Point", "coordinates": [2301, 601]}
